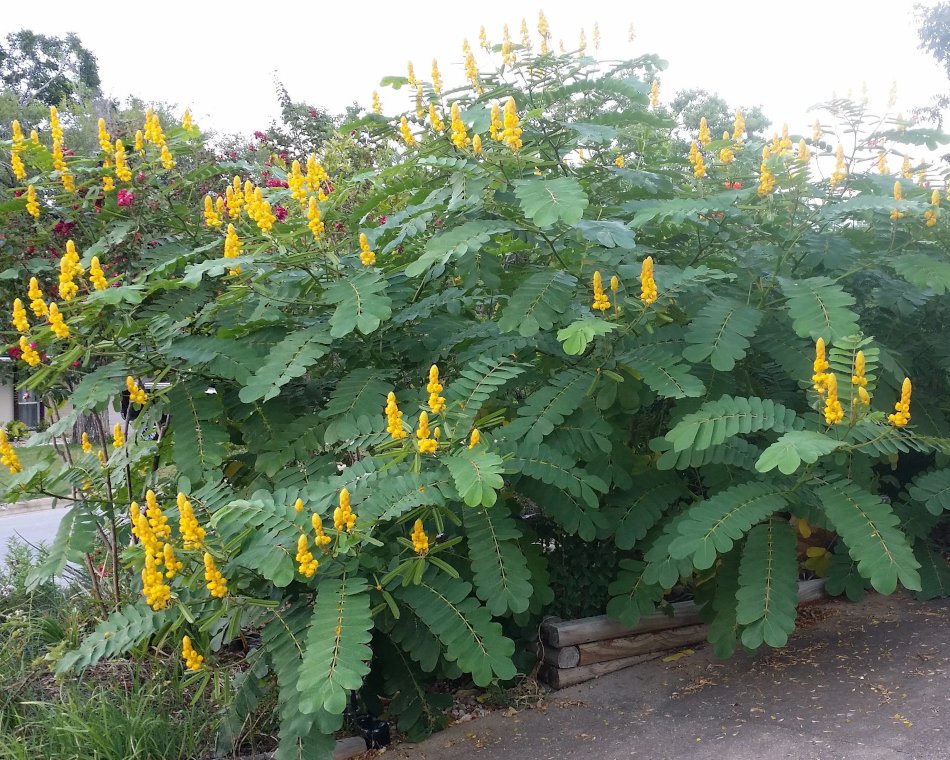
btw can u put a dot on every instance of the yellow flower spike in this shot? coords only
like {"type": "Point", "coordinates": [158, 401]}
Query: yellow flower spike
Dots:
{"type": "Point", "coordinates": [841, 170]}
{"type": "Point", "coordinates": [216, 582]}
{"type": "Point", "coordinates": [420, 111]}
{"type": "Point", "coordinates": [820, 368]}
{"type": "Point", "coordinates": [544, 30]}
{"type": "Point", "coordinates": [619, 161]}
{"type": "Point", "coordinates": [614, 284]}
{"type": "Point", "coordinates": [804, 153]}
{"type": "Point", "coordinates": [156, 592]}
{"type": "Point", "coordinates": [56, 130]}
{"type": "Point", "coordinates": [211, 214]}
{"type": "Point", "coordinates": [8, 455]}
{"type": "Point", "coordinates": [232, 243]}
{"type": "Point", "coordinates": [460, 137]}
{"type": "Point", "coordinates": [343, 515]}
{"type": "Point", "coordinates": [35, 137]}
{"type": "Point", "coordinates": [512, 132]}
{"type": "Point", "coordinates": [896, 214]}
{"type": "Point", "coordinates": [471, 68]}
{"type": "Point", "coordinates": [37, 304]}
{"type": "Point", "coordinates": [296, 182]}
{"type": "Point", "coordinates": [738, 126]}
{"type": "Point", "coordinates": [191, 532]}
{"type": "Point", "coordinates": [367, 257]}
{"type": "Point", "coordinates": [525, 35]}
{"type": "Point", "coordinates": [507, 48]}
{"type": "Point", "coordinates": [833, 411]}
{"type": "Point", "coordinates": [436, 77]}
{"type": "Point", "coordinates": [168, 162]}
{"type": "Point", "coordinates": [19, 170]}
{"type": "Point", "coordinates": [935, 198]}
{"type": "Point", "coordinates": [32, 206]}
{"type": "Point", "coordinates": [102, 457]}
{"type": "Point", "coordinates": [906, 172]}
{"type": "Point", "coordinates": [426, 443]}
{"type": "Point", "coordinates": [314, 219]}
{"type": "Point", "coordinates": [434, 388]}
{"type": "Point", "coordinates": [582, 43]}
{"type": "Point", "coordinates": [20, 321]}
{"type": "Point", "coordinates": [407, 137]}
{"type": "Point", "coordinates": [86, 444]}
{"type": "Point", "coordinates": [186, 121]}
{"type": "Point", "coordinates": [322, 539]}
{"type": "Point", "coordinates": [816, 131]}
{"type": "Point", "coordinates": [483, 40]}
{"type": "Point", "coordinates": [192, 659]}
{"type": "Point", "coordinates": [882, 163]}
{"type": "Point", "coordinates": [725, 135]}
{"type": "Point", "coordinates": [394, 418]}
{"type": "Point", "coordinates": [105, 139]}
{"type": "Point", "coordinates": [726, 156]}
{"type": "Point", "coordinates": [596, 35]}
{"type": "Point", "coordinates": [654, 94]}
{"type": "Point", "coordinates": [420, 541]}
{"type": "Point", "coordinates": [298, 506]}
{"type": "Point", "coordinates": [172, 563]}
{"type": "Point", "coordinates": [56, 322]}
{"type": "Point", "coordinates": [96, 274]}
{"type": "Point", "coordinates": [118, 437]}
{"type": "Point", "coordinates": [28, 353]}
{"type": "Point", "coordinates": [138, 144]}
{"type": "Point", "coordinates": [766, 178]}
{"type": "Point", "coordinates": [156, 518]}
{"type": "Point", "coordinates": [648, 289]}
{"type": "Point", "coordinates": [475, 438]}
{"type": "Point", "coordinates": [437, 124]}
{"type": "Point", "coordinates": [705, 136]}
{"type": "Point", "coordinates": [316, 174]}
{"type": "Point", "coordinates": [601, 302]}
{"type": "Point", "coordinates": [477, 145]}
{"type": "Point", "coordinates": [497, 125]}
{"type": "Point", "coordinates": [377, 105]}
{"type": "Point", "coordinates": [136, 394]}
{"type": "Point", "coordinates": [411, 74]}
{"type": "Point", "coordinates": [901, 415]}
{"type": "Point", "coordinates": [306, 564]}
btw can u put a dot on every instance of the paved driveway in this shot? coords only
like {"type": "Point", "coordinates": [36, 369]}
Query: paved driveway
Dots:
{"type": "Point", "coordinates": [35, 527]}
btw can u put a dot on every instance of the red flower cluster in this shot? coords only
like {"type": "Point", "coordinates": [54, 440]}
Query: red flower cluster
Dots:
{"type": "Point", "coordinates": [272, 182]}
{"type": "Point", "coordinates": [280, 212]}
{"type": "Point", "coordinates": [732, 185]}
{"type": "Point", "coordinates": [125, 197]}
{"type": "Point", "coordinates": [260, 136]}
{"type": "Point", "coordinates": [64, 229]}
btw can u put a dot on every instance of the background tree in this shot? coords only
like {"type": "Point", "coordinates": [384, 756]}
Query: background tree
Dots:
{"type": "Point", "coordinates": [45, 68]}
{"type": "Point", "coordinates": [689, 106]}
{"type": "Point", "coordinates": [934, 34]}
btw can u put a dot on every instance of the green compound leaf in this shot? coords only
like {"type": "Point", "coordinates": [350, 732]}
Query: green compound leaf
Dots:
{"type": "Point", "coordinates": [819, 308]}
{"type": "Point", "coordinates": [115, 635]}
{"type": "Point", "coordinates": [768, 586]}
{"type": "Point", "coordinates": [538, 303]}
{"type": "Point", "coordinates": [272, 544]}
{"type": "Point", "coordinates": [934, 572]}
{"type": "Point", "coordinates": [456, 243]}
{"type": "Point", "coordinates": [356, 404]}
{"type": "Point", "coordinates": [499, 568]}
{"type": "Point", "coordinates": [795, 447]}
{"type": "Point", "coordinates": [199, 442]}
{"type": "Point", "coordinates": [639, 509]}
{"type": "Point", "coordinates": [361, 303]}
{"type": "Point", "coordinates": [663, 371]}
{"type": "Point", "coordinates": [577, 336]}
{"type": "Point", "coordinates": [548, 407]}
{"type": "Point", "coordinates": [724, 629]}
{"type": "Point", "coordinates": [843, 576]}
{"type": "Point", "coordinates": [474, 385]}
{"type": "Point", "coordinates": [630, 596]}
{"type": "Point", "coordinates": [932, 489]}
{"type": "Point", "coordinates": [557, 469]}
{"type": "Point", "coordinates": [289, 359]}
{"type": "Point", "coordinates": [721, 332]}
{"type": "Point", "coordinates": [471, 638]}
{"type": "Point", "coordinates": [477, 475]}
{"type": "Point", "coordinates": [716, 421]}
{"type": "Point", "coordinates": [712, 526]}
{"type": "Point", "coordinates": [337, 656]}
{"type": "Point", "coordinates": [869, 527]}
{"type": "Point", "coordinates": [546, 201]}
{"type": "Point", "coordinates": [923, 271]}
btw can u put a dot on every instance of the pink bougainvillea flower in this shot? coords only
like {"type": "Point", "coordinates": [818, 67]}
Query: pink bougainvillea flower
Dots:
{"type": "Point", "coordinates": [125, 198]}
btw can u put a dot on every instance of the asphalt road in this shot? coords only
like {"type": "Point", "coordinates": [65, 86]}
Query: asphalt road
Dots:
{"type": "Point", "coordinates": [37, 527]}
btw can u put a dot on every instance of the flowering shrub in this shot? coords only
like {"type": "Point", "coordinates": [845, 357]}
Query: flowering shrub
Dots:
{"type": "Point", "coordinates": [341, 418]}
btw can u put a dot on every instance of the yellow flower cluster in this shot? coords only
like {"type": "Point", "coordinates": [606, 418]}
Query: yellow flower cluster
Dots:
{"type": "Point", "coordinates": [906, 172]}
{"type": "Point", "coordinates": [69, 269]}
{"type": "Point", "coordinates": [596, 35]}
{"type": "Point", "coordinates": [377, 106]}
{"type": "Point", "coordinates": [471, 68]}
{"type": "Point", "coordinates": [96, 275]}
{"type": "Point", "coordinates": [322, 538]}
{"type": "Point", "coordinates": [212, 219]}
{"type": "Point", "coordinates": [816, 131]}
{"type": "Point", "coordinates": [232, 247]}
{"type": "Point", "coordinates": [475, 438]}
{"type": "Point", "coordinates": [28, 353]}
{"type": "Point", "coordinates": [437, 124]}
{"type": "Point", "coordinates": [306, 563]}
{"type": "Point", "coordinates": [192, 659]}
{"type": "Point", "coordinates": [157, 593]}
{"type": "Point", "coordinates": [901, 415]}
{"type": "Point", "coordinates": [118, 437]}
{"type": "Point", "coordinates": [191, 532]}
{"type": "Point", "coordinates": [428, 443]}
{"type": "Point", "coordinates": [394, 418]}
{"type": "Point", "coordinates": [411, 74]}
{"type": "Point", "coordinates": [882, 163]}
{"type": "Point", "coordinates": [619, 161]}
{"type": "Point", "coordinates": [296, 182]}
{"type": "Point", "coordinates": [477, 145]}
{"type": "Point", "coordinates": [497, 125]}
{"type": "Point", "coordinates": [105, 139]}
{"type": "Point", "coordinates": [36, 298]}
{"type": "Point", "coordinates": [20, 321]}
{"type": "Point", "coordinates": [648, 289]}
{"type": "Point", "coordinates": [137, 394]}
{"type": "Point", "coordinates": [766, 177]}
{"type": "Point", "coordinates": [436, 77]}
{"type": "Point", "coordinates": [726, 155]}
{"type": "Point", "coordinates": [153, 129]}
{"type": "Point", "coordinates": [483, 39]}
{"type": "Point", "coordinates": [420, 111]}
{"type": "Point", "coordinates": [930, 215]}
{"type": "Point", "coordinates": [436, 402]}
{"type": "Point", "coordinates": [216, 583]}
{"type": "Point", "coordinates": [545, 31]}
{"type": "Point", "coordinates": [108, 184]}
{"type": "Point", "coordinates": [59, 161]}
{"type": "Point", "coordinates": [820, 367]}
{"type": "Point", "coordinates": [582, 43]}
{"type": "Point", "coordinates": [86, 444]}
{"type": "Point", "coordinates": [738, 126]}
{"type": "Point", "coordinates": [298, 506]}
{"type": "Point", "coordinates": [507, 48]}
{"type": "Point", "coordinates": [314, 219]}
{"type": "Point", "coordinates": [343, 515]}
{"type": "Point", "coordinates": [859, 381]}
{"type": "Point", "coordinates": [367, 257]}
{"type": "Point", "coordinates": [8, 455]}
{"type": "Point", "coordinates": [804, 152]}
{"type": "Point", "coordinates": [420, 541]}
{"type": "Point", "coordinates": [601, 301]}
{"type": "Point", "coordinates": [234, 198]}
{"type": "Point", "coordinates": [407, 137]}
{"type": "Point", "coordinates": [32, 207]}
{"type": "Point", "coordinates": [705, 136]}
{"type": "Point", "coordinates": [898, 195]}
{"type": "Point", "coordinates": [16, 162]}
{"type": "Point", "coordinates": [316, 176]}
{"type": "Point", "coordinates": [139, 144]}
{"type": "Point", "coordinates": [56, 322]}
{"type": "Point", "coordinates": [172, 563]}
{"type": "Point", "coordinates": [512, 133]}
{"type": "Point", "coordinates": [257, 208]}
{"type": "Point", "coordinates": [781, 145]}
{"type": "Point", "coordinates": [697, 161]}
{"type": "Point", "coordinates": [186, 121]}
{"type": "Point", "coordinates": [156, 518]}
{"type": "Point", "coordinates": [460, 137]}
{"type": "Point", "coordinates": [841, 170]}
{"type": "Point", "coordinates": [826, 385]}
{"type": "Point", "coordinates": [654, 94]}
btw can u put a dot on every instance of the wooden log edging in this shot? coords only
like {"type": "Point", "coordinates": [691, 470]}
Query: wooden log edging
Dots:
{"type": "Point", "coordinates": [574, 651]}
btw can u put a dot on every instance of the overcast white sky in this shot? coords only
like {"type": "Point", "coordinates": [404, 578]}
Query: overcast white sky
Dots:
{"type": "Point", "coordinates": [219, 58]}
